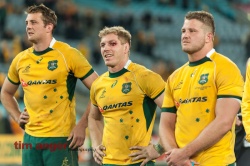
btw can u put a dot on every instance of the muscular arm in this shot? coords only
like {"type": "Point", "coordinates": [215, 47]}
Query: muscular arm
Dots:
{"type": "Point", "coordinates": [226, 110]}
{"type": "Point", "coordinates": [217, 128]}
{"type": "Point", "coordinates": [9, 101]}
{"type": "Point", "coordinates": [159, 100]}
{"type": "Point", "coordinates": [96, 133]}
{"type": "Point", "coordinates": [95, 126]}
{"type": "Point", "coordinates": [90, 79]}
{"type": "Point", "coordinates": [167, 130]}
{"type": "Point", "coordinates": [166, 127]}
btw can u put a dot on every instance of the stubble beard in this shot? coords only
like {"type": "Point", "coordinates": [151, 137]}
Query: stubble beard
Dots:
{"type": "Point", "coordinates": [192, 50]}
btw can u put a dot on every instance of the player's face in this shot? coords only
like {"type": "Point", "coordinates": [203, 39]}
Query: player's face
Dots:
{"type": "Point", "coordinates": [114, 52]}
{"type": "Point", "coordinates": [35, 27]}
{"type": "Point", "coordinates": [193, 36]}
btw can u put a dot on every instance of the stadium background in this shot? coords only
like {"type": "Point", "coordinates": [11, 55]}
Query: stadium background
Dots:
{"type": "Point", "coordinates": [155, 26]}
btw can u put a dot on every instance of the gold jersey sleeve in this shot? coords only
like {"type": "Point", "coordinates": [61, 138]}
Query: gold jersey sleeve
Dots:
{"type": "Point", "coordinates": [48, 79]}
{"type": "Point", "coordinates": [245, 106]}
{"type": "Point", "coordinates": [191, 93]}
{"type": "Point", "coordinates": [126, 101]}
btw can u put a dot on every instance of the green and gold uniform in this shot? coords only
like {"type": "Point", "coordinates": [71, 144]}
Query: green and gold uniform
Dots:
{"type": "Point", "coordinates": [192, 91]}
{"type": "Point", "coordinates": [126, 101]}
{"type": "Point", "coordinates": [245, 106]}
{"type": "Point", "coordinates": [48, 79]}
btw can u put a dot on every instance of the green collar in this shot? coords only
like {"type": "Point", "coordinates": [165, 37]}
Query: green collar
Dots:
{"type": "Point", "coordinates": [42, 52]}
{"type": "Point", "coordinates": [117, 74]}
{"type": "Point", "coordinates": [203, 60]}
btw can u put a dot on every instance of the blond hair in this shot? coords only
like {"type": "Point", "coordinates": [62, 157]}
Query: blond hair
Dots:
{"type": "Point", "coordinates": [122, 33]}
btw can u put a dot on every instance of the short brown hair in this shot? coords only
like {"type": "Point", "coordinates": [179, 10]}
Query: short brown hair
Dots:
{"type": "Point", "coordinates": [202, 16]}
{"type": "Point", "coordinates": [122, 33]}
{"type": "Point", "coordinates": [49, 15]}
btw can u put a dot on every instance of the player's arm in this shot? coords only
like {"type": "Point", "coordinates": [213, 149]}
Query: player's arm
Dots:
{"type": "Point", "coordinates": [167, 131]}
{"type": "Point", "coordinates": [90, 79]}
{"type": "Point", "coordinates": [159, 100]}
{"type": "Point", "coordinates": [10, 103]}
{"type": "Point", "coordinates": [211, 134]}
{"type": "Point", "coordinates": [78, 133]}
{"type": "Point", "coordinates": [168, 119]}
{"type": "Point", "coordinates": [95, 125]}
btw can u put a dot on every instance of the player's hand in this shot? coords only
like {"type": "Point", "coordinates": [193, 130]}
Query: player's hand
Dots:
{"type": "Point", "coordinates": [177, 157]}
{"type": "Point", "coordinates": [147, 153]}
{"type": "Point", "coordinates": [77, 136]}
{"type": "Point", "coordinates": [98, 154]}
{"type": "Point", "coordinates": [187, 163]}
{"type": "Point", "coordinates": [23, 118]}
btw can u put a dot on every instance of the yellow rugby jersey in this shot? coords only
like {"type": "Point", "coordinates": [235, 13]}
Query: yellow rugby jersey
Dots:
{"type": "Point", "coordinates": [126, 101]}
{"type": "Point", "coordinates": [245, 106]}
{"type": "Point", "coordinates": [48, 79]}
{"type": "Point", "coordinates": [191, 92]}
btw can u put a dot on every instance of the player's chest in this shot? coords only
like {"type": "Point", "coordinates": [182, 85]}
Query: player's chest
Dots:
{"type": "Point", "coordinates": [43, 67]}
{"type": "Point", "coordinates": [195, 82]}
{"type": "Point", "coordinates": [118, 90]}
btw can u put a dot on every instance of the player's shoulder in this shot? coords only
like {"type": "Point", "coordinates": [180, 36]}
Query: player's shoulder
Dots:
{"type": "Point", "coordinates": [222, 61]}
{"type": "Point", "coordinates": [181, 69]}
{"type": "Point", "coordinates": [60, 44]}
{"type": "Point", "coordinates": [138, 69]}
{"type": "Point", "coordinates": [220, 58]}
{"type": "Point", "coordinates": [24, 53]}
{"type": "Point", "coordinates": [142, 73]}
{"type": "Point", "coordinates": [100, 78]}
{"type": "Point", "coordinates": [64, 47]}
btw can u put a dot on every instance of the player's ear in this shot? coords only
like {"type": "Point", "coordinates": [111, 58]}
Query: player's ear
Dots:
{"type": "Point", "coordinates": [127, 47]}
{"type": "Point", "coordinates": [209, 37]}
{"type": "Point", "coordinates": [50, 27]}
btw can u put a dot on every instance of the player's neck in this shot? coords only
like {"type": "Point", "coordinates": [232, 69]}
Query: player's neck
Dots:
{"type": "Point", "coordinates": [118, 67]}
{"type": "Point", "coordinates": [42, 45]}
{"type": "Point", "coordinates": [199, 54]}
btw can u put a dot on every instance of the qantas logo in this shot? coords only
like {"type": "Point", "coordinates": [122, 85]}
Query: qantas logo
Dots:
{"type": "Point", "coordinates": [101, 110]}
{"type": "Point", "coordinates": [193, 100]}
{"type": "Point", "coordinates": [23, 83]}
{"type": "Point", "coordinates": [37, 82]}
{"type": "Point", "coordinates": [117, 105]}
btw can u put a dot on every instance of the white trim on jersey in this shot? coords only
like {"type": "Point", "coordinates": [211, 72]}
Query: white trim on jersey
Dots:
{"type": "Point", "coordinates": [52, 42]}
{"type": "Point", "coordinates": [127, 64]}
{"type": "Point", "coordinates": [210, 53]}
